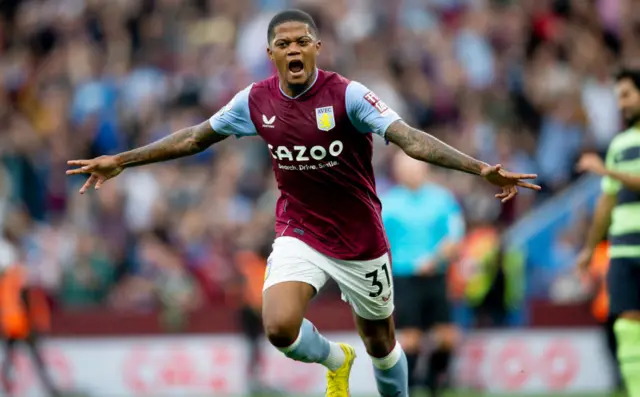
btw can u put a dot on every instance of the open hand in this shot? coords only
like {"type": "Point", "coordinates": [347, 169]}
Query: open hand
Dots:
{"type": "Point", "coordinates": [100, 170]}
{"type": "Point", "coordinates": [591, 162]}
{"type": "Point", "coordinates": [508, 181]}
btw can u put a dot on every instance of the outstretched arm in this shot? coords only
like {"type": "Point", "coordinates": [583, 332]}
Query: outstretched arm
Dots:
{"type": "Point", "coordinates": [184, 142]}
{"type": "Point", "coordinates": [369, 113]}
{"type": "Point", "coordinates": [425, 147]}
{"type": "Point", "coordinates": [233, 119]}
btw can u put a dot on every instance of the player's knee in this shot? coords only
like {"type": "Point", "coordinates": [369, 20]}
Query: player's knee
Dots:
{"type": "Point", "coordinates": [281, 331]}
{"type": "Point", "coordinates": [378, 336]}
{"type": "Point", "coordinates": [283, 308]}
{"type": "Point", "coordinates": [379, 346]}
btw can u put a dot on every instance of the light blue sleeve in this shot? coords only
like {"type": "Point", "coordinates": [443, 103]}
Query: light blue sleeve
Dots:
{"type": "Point", "coordinates": [367, 112]}
{"type": "Point", "coordinates": [234, 118]}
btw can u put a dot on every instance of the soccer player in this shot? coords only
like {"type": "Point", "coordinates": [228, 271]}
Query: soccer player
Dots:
{"type": "Point", "coordinates": [618, 211]}
{"type": "Point", "coordinates": [318, 127]}
{"type": "Point", "coordinates": [425, 225]}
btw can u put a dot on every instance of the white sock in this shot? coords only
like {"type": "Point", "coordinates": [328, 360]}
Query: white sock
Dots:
{"type": "Point", "coordinates": [335, 359]}
{"type": "Point", "coordinates": [390, 360]}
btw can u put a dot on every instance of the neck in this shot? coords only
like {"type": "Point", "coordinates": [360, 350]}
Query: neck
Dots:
{"type": "Point", "coordinates": [294, 90]}
{"type": "Point", "coordinates": [413, 186]}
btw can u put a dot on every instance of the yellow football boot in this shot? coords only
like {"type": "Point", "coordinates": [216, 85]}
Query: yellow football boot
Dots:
{"type": "Point", "coordinates": [338, 381]}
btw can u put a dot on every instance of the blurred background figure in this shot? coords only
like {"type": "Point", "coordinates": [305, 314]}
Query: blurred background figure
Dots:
{"type": "Point", "coordinates": [600, 304]}
{"type": "Point", "coordinates": [424, 226]}
{"type": "Point", "coordinates": [496, 289]}
{"type": "Point", "coordinates": [251, 261]}
{"type": "Point", "coordinates": [616, 216]}
{"type": "Point", "coordinates": [252, 266]}
{"type": "Point", "coordinates": [24, 314]}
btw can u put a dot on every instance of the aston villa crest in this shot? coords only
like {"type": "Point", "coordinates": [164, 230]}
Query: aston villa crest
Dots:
{"type": "Point", "coordinates": [325, 119]}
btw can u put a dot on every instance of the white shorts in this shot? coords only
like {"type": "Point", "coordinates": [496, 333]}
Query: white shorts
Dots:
{"type": "Point", "coordinates": [366, 285]}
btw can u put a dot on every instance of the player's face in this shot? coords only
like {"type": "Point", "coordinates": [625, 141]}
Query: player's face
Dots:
{"type": "Point", "coordinates": [294, 50]}
{"type": "Point", "coordinates": [629, 100]}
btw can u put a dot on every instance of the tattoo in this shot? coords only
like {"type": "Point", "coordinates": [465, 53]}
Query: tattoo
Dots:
{"type": "Point", "coordinates": [184, 142]}
{"type": "Point", "coordinates": [424, 147]}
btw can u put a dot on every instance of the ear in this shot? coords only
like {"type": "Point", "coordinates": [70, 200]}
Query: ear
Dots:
{"type": "Point", "coordinates": [318, 46]}
{"type": "Point", "coordinates": [269, 52]}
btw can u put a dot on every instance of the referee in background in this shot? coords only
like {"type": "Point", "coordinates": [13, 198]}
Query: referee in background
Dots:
{"type": "Point", "coordinates": [425, 225]}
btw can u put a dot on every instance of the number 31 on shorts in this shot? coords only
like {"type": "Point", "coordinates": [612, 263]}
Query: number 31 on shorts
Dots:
{"type": "Point", "coordinates": [378, 287]}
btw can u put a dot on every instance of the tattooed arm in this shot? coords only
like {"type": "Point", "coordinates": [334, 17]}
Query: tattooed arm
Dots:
{"type": "Point", "coordinates": [184, 142]}
{"type": "Point", "coordinates": [424, 147]}
{"type": "Point", "coordinates": [427, 148]}
{"type": "Point", "coordinates": [233, 119]}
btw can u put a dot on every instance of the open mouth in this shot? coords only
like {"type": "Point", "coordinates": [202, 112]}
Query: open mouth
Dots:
{"type": "Point", "coordinates": [296, 67]}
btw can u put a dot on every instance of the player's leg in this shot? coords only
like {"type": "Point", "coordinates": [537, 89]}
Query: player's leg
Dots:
{"type": "Point", "coordinates": [612, 349]}
{"type": "Point", "coordinates": [7, 364]}
{"type": "Point", "coordinates": [367, 286]}
{"type": "Point", "coordinates": [409, 322]}
{"type": "Point", "coordinates": [443, 335]}
{"type": "Point", "coordinates": [627, 330]}
{"type": "Point", "coordinates": [251, 325]}
{"type": "Point", "coordinates": [286, 328]}
{"type": "Point", "coordinates": [291, 281]}
{"type": "Point", "coordinates": [445, 338]}
{"type": "Point", "coordinates": [389, 361]}
{"type": "Point", "coordinates": [623, 279]}
{"type": "Point", "coordinates": [41, 366]}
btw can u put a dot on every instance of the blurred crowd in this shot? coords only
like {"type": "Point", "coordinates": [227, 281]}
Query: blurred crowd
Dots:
{"type": "Point", "coordinates": [524, 83]}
